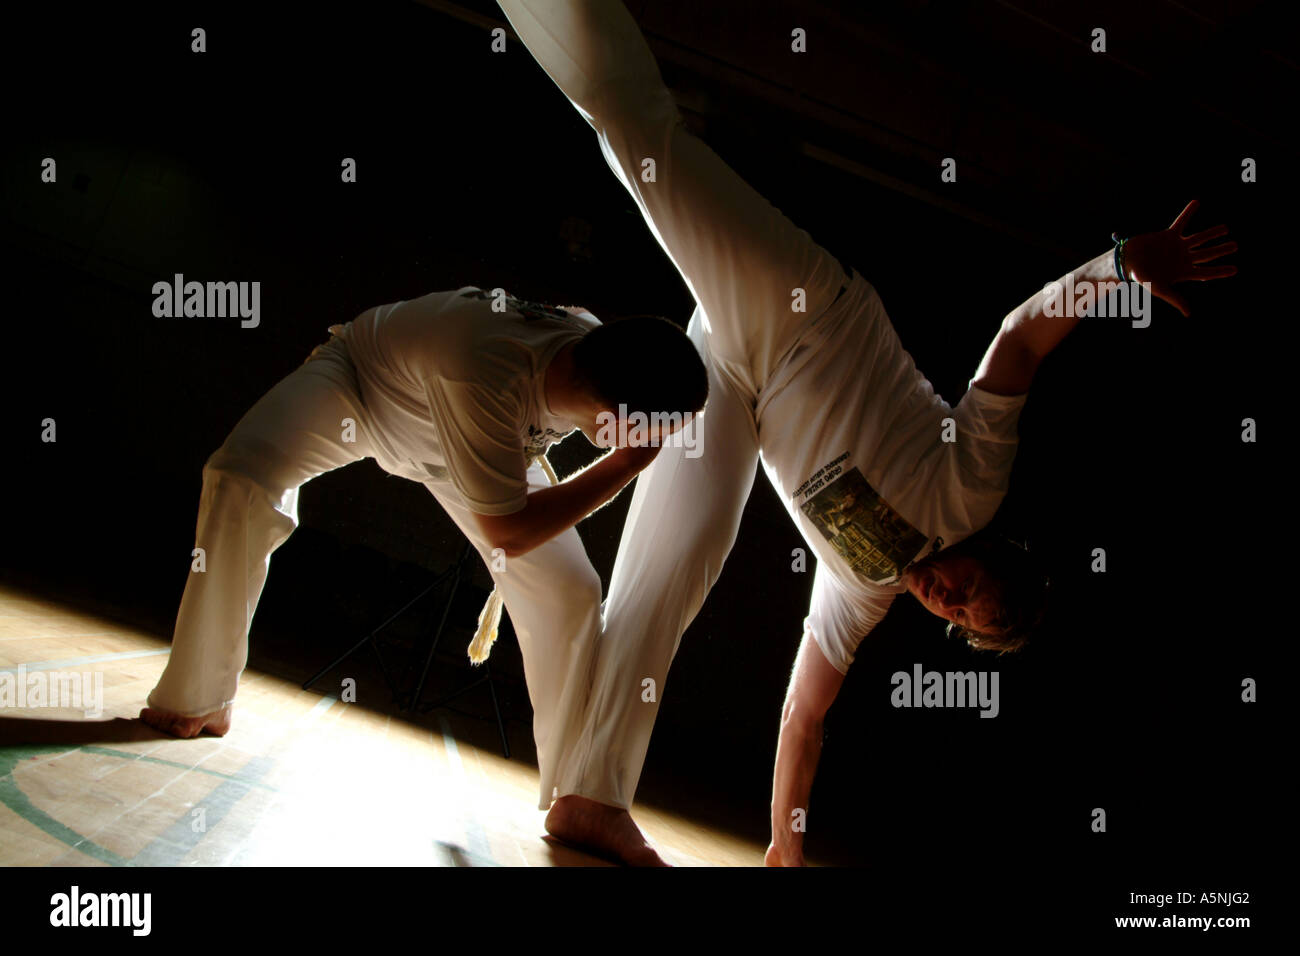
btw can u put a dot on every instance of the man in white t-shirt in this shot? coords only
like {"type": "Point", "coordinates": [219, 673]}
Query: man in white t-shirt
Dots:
{"type": "Point", "coordinates": [886, 481]}
{"type": "Point", "coordinates": [463, 391]}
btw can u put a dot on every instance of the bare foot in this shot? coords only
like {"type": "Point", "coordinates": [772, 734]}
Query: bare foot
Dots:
{"type": "Point", "coordinates": [773, 857]}
{"type": "Point", "coordinates": [607, 831]}
{"type": "Point", "coordinates": [216, 723]}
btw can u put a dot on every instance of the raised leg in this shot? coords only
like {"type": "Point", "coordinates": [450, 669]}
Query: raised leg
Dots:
{"type": "Point", "coordinates": [760, 279]}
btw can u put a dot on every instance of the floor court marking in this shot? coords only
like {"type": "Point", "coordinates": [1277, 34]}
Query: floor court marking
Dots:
{"type": "Point", "coordinates": [163, 851]}
{"type": "Point", "coordinates": [474, 835]}
{"type": "Point", "coordinates": [175, 843]}
{"type": "Point", "coordinates": [171, 846]}
{"type": "Point", "coordinates": [77, 661]}
{"type": "Point", "coordinates": [145, 758]}
{"type": "Point", "coordinates": [12, 796]}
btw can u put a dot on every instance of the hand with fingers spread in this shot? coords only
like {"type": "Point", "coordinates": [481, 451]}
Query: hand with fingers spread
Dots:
{"type": "Point", "coordinates": [1168, 256]}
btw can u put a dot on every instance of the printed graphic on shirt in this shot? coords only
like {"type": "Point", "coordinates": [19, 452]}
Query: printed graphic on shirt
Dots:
{"type": "Point", "coordinates": [539, 439]}
{"type": "Point", "coordinates": [531, 311]}
{"type": "Point", "coordinates": [863, 529]}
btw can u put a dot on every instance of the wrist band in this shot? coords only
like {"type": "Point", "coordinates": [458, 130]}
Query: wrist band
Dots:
{"type": "Point", "coordinates": [1119, 256]}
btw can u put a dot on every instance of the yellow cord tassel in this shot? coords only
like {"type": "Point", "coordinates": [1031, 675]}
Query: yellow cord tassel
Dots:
{"type": "Point", "coordinates": [489, 619]}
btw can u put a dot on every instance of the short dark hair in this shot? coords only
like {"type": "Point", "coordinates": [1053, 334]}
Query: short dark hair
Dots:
{"type": "Point", "coordinates": [644, 362]}
{"type": "Point", "coordinates": [1022, 586]}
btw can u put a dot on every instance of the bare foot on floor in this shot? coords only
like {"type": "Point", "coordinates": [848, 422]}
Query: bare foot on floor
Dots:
{"type": "Point", "coordinates": [605, 830]}
{"type": "Point", "coordinates": [216, 723]}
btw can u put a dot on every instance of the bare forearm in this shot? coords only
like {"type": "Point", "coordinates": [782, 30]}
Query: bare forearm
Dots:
{"type": "Point", "coordinates": [1047, 317]}
{"type": "Point", "coordinates": [556, 509]}
{"type": "Point", "coordinates": [1158, 260]}
{"type": "Point", "coordinates": [813, 687]}
{"type": "Point", "coordinates": [1039, 324]}
{"type": "Point", "coordinates": [797, 752]}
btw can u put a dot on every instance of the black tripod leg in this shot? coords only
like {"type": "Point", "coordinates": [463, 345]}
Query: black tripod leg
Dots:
{"type": "Point", "coordinates": [442, 622]}
{"type": "Point", "coordinates": [370, 637]}
{"type": "Point", "coordinates": [496, 709]}
{"type": "Point", "coordinates": [392, 685]}
{"type": "Point", "coordinates": [337, 661]}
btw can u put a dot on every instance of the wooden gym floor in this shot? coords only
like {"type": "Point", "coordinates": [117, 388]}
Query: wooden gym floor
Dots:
{"type": "Point", "coordinates": [301, 780]}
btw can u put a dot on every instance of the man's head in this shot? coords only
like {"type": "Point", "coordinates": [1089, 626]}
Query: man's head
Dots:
{"type": "Point", "coordinates": [989, 589]}
{"type": "Point", "coordinates": [641, 364]}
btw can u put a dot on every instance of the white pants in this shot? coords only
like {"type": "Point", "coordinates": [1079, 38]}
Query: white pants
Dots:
{"type": "Point", "coordinates": [249, 507]}
{"type": "Point", "coordinates": [784, 382]}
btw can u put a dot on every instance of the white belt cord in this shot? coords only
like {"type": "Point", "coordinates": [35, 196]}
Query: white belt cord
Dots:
{"type": "Point", "coordinates": [489, 619]}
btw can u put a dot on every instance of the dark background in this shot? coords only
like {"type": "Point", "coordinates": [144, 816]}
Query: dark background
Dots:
{"type": "Point", "coordinates": [473, 169]}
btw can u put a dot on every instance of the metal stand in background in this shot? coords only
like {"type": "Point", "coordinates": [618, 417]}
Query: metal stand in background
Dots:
{"type": "Point", "coordinates": [454, 574]}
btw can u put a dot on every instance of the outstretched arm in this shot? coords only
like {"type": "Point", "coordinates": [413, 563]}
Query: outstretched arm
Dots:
{"type": "Point", "coordinates": [1160, 258]}
{"type": "Point", "coordinates": [813, 688]}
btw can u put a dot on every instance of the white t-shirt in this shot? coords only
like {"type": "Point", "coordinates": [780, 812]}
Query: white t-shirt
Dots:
{"type": "Point", "coordinates": [455, 390]}
{"type": "Point", "coordinates": [877, 470]}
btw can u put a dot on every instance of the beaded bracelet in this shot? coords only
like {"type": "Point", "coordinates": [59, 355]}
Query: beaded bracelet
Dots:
{"type": "Point", "coordinates": [1119, 256]}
